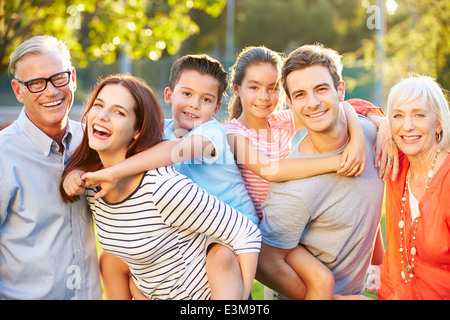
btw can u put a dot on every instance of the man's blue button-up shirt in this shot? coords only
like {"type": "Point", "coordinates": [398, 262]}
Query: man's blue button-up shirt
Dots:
{"type": "Point", "coordinates": [47, 247]}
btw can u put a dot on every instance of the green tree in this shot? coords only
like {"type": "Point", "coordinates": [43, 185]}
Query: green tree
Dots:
{"type": "Point", "coordinates": [102, 29]}
{"type": "Point", "coordinates": [417, 40]}
{"type": "Point", "coordinates": [285, 24]}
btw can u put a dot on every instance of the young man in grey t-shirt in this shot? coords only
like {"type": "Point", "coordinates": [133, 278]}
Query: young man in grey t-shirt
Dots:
{"type": "Point", "coordinates": [335, 218]}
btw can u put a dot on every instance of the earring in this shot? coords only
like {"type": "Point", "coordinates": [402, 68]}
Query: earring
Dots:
{"type": "Point", "coordinates": [438, 137]}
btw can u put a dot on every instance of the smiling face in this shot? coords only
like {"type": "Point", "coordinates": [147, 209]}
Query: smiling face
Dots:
{"type": "Point", "coordinates": [259, 91]}
{"type": "Point", "coordinates": [48, 109]}
{"type": "Point", "coordinates": [414, 127]}
{"type": "Point", "coordinates": [194, 99]}
{"type": "Point", "coordinates": [314, 99]}
{"type": "Point", "coordinates": [111, 123]}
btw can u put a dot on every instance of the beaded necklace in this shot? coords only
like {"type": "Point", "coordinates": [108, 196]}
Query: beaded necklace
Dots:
{"type": "Point", "coordinates": [407, 256]}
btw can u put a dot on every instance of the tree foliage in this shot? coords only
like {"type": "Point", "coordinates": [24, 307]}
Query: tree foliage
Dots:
{"type": "Point", "coordinates": [285, 24]}
{"type": "Point", "coordinates": [102, 29]}
{"type": "Point", "coordinates": [421, 42]}
{"type": "Point", "coordinates": [417, 40]}
{"type": "Point", "coordinates": [417, 35]}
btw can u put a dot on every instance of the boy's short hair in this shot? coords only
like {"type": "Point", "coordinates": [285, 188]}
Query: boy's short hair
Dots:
{"type": "Point", "coordinates": [310, 55]}
{"type": "Point", "coordinates": [203, 64]}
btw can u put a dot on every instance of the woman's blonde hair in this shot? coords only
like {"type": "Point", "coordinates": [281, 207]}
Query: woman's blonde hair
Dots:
{"type": "Point", "coordinates": [428, 92]}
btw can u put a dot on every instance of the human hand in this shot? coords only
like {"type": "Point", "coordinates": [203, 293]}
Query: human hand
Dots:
{"type": "Point", "coordinates": [386, 152]}
{"type": "Point", "coordinates": [73, 184]}
{"type": "Point", "coordinates": [106, 179]}
{"type": "Point", "coordinates": [353, 159]}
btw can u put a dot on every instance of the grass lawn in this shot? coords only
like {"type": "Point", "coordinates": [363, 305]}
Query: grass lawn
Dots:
{"type": "Point", "coordinates": [258, 288]}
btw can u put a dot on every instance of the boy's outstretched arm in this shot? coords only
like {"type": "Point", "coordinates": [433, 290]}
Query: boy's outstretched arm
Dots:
{"type": "Point", "coordinates": [163, 154]}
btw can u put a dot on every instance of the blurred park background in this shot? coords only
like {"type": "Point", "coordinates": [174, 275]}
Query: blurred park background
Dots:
{"type": "Point", "coordinates": [381, 40]}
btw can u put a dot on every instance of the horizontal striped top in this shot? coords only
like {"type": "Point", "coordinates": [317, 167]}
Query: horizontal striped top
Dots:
{"type": "Point", "coordinates": [283, 127]}
{"type": "Point", "coordinates": [160, 231]}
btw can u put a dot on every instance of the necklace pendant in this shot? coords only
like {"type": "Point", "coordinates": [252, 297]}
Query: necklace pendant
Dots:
{"type": "Point", "coordinates": [407, 268]}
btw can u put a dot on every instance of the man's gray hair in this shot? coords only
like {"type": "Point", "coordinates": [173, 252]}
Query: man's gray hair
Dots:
{"type": "Point", "coordinates": [37, 45]}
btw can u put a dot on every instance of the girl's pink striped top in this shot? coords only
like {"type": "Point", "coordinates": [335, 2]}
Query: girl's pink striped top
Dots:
{"type": "Point", "coordinates": [283, 127]}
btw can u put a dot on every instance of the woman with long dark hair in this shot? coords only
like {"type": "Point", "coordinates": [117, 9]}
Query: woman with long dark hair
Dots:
{"type": "Point", "coordinates": [157, 221]}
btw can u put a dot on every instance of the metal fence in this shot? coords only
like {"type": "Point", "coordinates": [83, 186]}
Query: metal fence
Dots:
{"type": "Point", "coordinates": [155, 73]}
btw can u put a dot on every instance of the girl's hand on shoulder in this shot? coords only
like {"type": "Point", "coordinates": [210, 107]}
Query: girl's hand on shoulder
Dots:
{"type": "Point", "coordinates": [353, 159]}
{"type": "Point", "coordinates": [106, 179]}
{"type": "Point", "coordinates": [72, 184]}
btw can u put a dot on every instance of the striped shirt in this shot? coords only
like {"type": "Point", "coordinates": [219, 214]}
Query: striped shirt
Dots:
{"type": "Point", "coordinates": [283, 127]}
{"type": "Point", "coordinates": [160, 231]}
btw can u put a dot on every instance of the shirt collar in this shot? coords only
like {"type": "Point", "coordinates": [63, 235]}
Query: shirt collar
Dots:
{"type": "Point", "coordinates": [41, 140]}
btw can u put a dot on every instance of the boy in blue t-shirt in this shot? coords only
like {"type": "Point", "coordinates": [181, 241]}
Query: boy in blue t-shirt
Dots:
{"type": "Point", "coordinates": [196, 85]}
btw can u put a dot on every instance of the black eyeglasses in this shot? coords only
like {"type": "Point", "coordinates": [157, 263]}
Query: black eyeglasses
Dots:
{"type": "Point", "coordinates": [40, 84]}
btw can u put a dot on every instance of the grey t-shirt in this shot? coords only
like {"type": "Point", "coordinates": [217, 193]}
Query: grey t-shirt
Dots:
{"type": "Point", "coordinates": [334, 217]}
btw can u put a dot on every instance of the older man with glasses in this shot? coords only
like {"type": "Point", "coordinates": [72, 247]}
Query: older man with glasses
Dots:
{"type": "Point", "coordinates": [47, 247]}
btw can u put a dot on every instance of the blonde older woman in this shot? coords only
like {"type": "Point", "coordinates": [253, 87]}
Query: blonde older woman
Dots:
{"type": "Point", "coordinates": [417, 260]}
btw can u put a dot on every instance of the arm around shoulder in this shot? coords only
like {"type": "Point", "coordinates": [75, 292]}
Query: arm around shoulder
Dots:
{"type": "Point", "coordinates": [163, 154]}
{"type": "Point", "coordinates": [277, 170]}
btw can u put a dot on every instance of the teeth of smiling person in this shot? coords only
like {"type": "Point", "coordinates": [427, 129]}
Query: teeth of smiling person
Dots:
{"type": "Point", "coordinates": [190, 115]}
{"type": "Point", "coordinates": [409, 138]}
{"type": "Point", "coordinates": [102, 129]}
{"type": "Point", "coordinates": [315, 115]}
{"type": "Point", "coordinates": [51, 104]}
